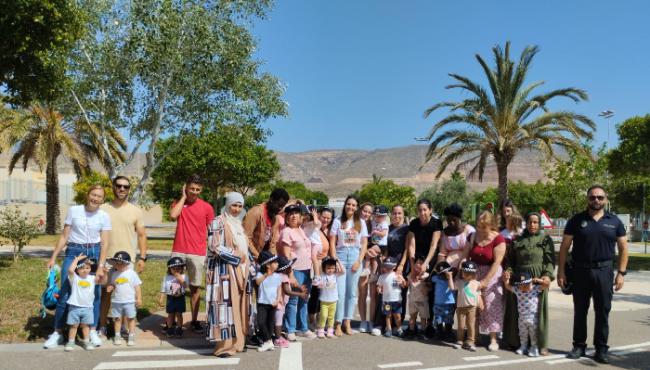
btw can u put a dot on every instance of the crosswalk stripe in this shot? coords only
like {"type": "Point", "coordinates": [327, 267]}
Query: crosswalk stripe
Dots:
{"type": "Point", "coordinates": [479, 358]}
{"type": "Point", "coordinates": [400, 364]}
{"type": "Point", "coordinates": [291, 358]}
{"type": "Point", "coordinates": [165, 364]}
{"type": "Point", "coordinates": [159, 352]}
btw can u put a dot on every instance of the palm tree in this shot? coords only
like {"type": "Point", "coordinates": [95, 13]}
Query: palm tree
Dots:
{"type": "Point", "coordinates": [500, 123]}
{"type": "Point", "coordinates": [41, 134]}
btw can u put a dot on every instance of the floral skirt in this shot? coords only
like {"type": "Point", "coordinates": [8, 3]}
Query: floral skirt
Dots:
{"type": "Point", "coordinates": [490, 320]}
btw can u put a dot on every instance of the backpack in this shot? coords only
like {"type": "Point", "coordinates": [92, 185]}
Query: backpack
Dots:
{"type": "Point", "coordinates": [50, 295]}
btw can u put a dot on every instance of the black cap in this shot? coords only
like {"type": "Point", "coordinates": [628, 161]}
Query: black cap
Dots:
{"type": "Point", "coordinates": [85, 261]}
{"type": "Point", "coordinates": [175, 262]}
{"type": "Point", "coordinates": [293, 208]}
{"type": "Point", "coordinates": [266, 257]}
{"type": "Point", "coordinates": [470, 266]}
{"type": "Point", "coordinates": [523, 278]}
{"type": "Point", "coordinates": [284, 263]}
{"type": "Point", "coordinates": [120, 257]}
{"type": "Point", "coordinates": [381, 210]}
{"type": "Point", "coordinates": [443, 267]}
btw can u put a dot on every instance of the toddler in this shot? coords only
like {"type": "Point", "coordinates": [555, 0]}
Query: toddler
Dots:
{"type": "Point", "coordinates": [286, 273]}
{"type": "Point", "coordinates": [390, 286]}
{"type": "Point", "coordinates": [469, 299]}
{"type": "Point", "coordinates": [418, 298]}
{"type": "Point", "coordinates": [444, 301]}
{"type": "Point", "coordinates": [378, 237]}
{"type": "Point", "coordinates": [80, 303]}
{"type": "Point", "coordinates": [527, 305]}
{"type": "Point", "coordinates": [124, 285]}
{"type": "Point", "coordinates": [174, 285]}
{"type": "Point", "coordinates": [328, 297]}
{"type": "Point", "coordinates": [269, 283]}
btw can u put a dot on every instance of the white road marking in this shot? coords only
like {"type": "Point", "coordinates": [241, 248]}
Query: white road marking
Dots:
{"type": "Point", "coordinates": [171, 352]}
{"type": "Point", "coordinates": [165, 363]}
{"type": "Point", "coordinates": [585, 360]}
{"type": "Point", "coordinates": [479, 358]}
{"type": "Point", "coordinates": [628, 352]}
{"type": "Point", "coordinates": [291, 358]}
{"type": "Point", "coordinates": [400, 364]}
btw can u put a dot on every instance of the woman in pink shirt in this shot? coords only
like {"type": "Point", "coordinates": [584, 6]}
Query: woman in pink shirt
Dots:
{"type": "Point", "coordinates": [294, 243]}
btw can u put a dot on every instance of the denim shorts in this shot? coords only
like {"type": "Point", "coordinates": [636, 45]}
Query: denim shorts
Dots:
{"type": "Point", "coordinates": [123, 309]}
{"type": "Point", "coordinates": [388, 308]}
{"type": "Point", "coordinates": [175, 304]}
{"type": "Point", "coordinates": [444, 313]}
{"type": "Point", "coordinates": [80, 315]}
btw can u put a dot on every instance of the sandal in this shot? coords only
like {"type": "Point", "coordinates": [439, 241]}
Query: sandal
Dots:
{"type": "Point", "coordinates": [338, 332]}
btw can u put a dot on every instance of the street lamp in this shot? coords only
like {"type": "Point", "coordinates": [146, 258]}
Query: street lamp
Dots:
{"type": "Point", "coordinates": [607, 114]}
{"type": "Point", "coordinates": [420, 139]}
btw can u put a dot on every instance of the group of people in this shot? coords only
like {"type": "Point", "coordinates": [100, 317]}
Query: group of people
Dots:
{"type": "Point", "coordinates": [285, 269]}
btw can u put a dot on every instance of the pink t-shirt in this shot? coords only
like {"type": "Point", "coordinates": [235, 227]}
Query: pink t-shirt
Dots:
{"type": "Point", "coordinates": [192, 228]}
{"type": "Point", "coordinates": [300, 247]}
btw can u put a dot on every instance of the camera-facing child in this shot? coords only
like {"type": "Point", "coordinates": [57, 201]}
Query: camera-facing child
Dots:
{"type": "Point", "coordinates": [173, 287]}
{"type": "Point", "coordinates": [444, 301]}
{"type": "Point", "coordinates": [286, 291]}
{"type": "Point", "coordinates": [126, 294]}
{"type": "Point", "coordinates": [390, 286]}
{"type": "Point", "coordinates": [469, 299]}
{"type": "Point", "coordinates": [268, 296]}
{"type": "Point", "coordinates": [327, 282]}
{"type": "Point", "coordinates": [418, 299]}
{"type": "Point", "coordinates": [527, 290]}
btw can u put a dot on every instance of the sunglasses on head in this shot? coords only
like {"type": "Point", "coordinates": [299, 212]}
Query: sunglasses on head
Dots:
{"type": "Point", "coordinates": [121, 186]}
{"type": "Point", "coordinates": [594, 197]}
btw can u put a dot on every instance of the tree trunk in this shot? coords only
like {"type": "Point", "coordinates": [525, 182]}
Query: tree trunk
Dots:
{"type": "Point", "coordinates": [502, 170]}
{"type": "Point", "coordinates": [52, 217]}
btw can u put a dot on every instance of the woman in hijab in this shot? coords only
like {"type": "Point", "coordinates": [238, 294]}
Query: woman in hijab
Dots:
{"type": "Point", "coordinates": [531, 252]}
{"type": "Point", "coordinates": [227, 288]}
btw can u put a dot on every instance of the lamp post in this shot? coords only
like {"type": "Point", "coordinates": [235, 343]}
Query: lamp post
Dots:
{"type": "Point", "coordinates": [607, 114]}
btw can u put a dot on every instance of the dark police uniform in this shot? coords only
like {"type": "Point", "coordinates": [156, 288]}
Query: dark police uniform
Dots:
{"type": "Point", "coordinates": [594, 248]}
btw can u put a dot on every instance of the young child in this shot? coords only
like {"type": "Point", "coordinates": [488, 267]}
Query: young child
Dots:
{"type": "Point", "coordinates": [390, 286]}
{"type": "Point", "coordinates": [124, 285]}
{"type": "Point", "coordinates": [444, 301]}
{"type": "Point", "coordinates": [418, 299]}
{"type": "Point", "coordinates": [284, 269]}
{"type": "Point", "coordinates": [173, 286]}
{"type": "Point", "coordinates": [80, 303]}
{"type": "Point", "coordinates": [527, 305]}
{"type": "Point", "coordinates": [469, 299]}
{"type": "Point", "coordinates": [328, 297]}
{"type": "Point", "coordinates": [378, 237]}
{"type": "Point", "coordinates": [269, 283]}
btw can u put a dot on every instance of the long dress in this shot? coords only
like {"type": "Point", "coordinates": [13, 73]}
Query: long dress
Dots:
{"type": "Point", "coordinates": [227, 295]}
{"type": "Point", "coordinates": [490, 319]}
{"type": "Point", "coordinates": [535, 254]}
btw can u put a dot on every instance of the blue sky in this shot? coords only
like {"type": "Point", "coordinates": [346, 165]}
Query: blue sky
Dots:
{"type": "Point", "coordinates": [359, 74]}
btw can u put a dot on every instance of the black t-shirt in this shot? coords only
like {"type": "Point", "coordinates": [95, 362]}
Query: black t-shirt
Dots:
{"type": "Point", "coordinates": [397, 240]}
{"type": "Point", "coordinates": [594, 241]}
{"type": "Point", "coordinates": [424, 235]}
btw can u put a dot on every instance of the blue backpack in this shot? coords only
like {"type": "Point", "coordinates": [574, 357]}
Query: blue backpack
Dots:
{"type": "Point", "coordinates": [50, 295]}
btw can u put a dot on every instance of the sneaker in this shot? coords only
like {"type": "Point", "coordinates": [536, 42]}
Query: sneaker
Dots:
{"type": "Point", "coordinates": [307, 334]}
{"type": "Point", "coordinates": [178, 331]}
{"type": "Point", "coordinates": [494, 346]}
{"type": "Point", "coordinates": [601, 357]}
{"type": "Point", "coordinates": [471, 348]}
{"type": "Point", "coordinates": [430, 332]}
{"type": "Point", "coordinates": [69, 347]}
{"type": "Point", "coordinates": [117, 340]}
{"type": "Point", "coordinates": [266, 346]}
{"type": "Point", "coordinates": [281, 343]}
{"type": "Point", "coordinates": [388, 333]}
{"type": "Point", "coordinates": [95, 340]}
{"type": "Point", "coordinates": [363, 327]}
{"type": "Point", "coordinates": [533, 351]}
{"type": "Point", "coordinates": [291, 337]}
{"type": "Point", "coordinates": [457, 345]}
{"type": "Point", "coordinates": [53, 340]}
{"type": "Point", "coordinates": [576, 353]}
{"type": "Point", "coordinates": [399, 333]}
{"type": "Point", "coordinates": [330, 333]}
{"type": "Point", "coordinates": [320, 333]}
{"type": "Point", "coordinates": [196, 327]}
{"type": "Point", "coordinates": [376, 332]}
{"type": "Point", "coordinates": [88, 346]}
{"type": "Point", "coordinates": [169, 332]}
{"type": "Point", "coordinates": [103, 332]}
{"type": "Point", "coordinates": [521, 350]}
{"type": "Point", "coordinates": [131, 341]}
{"type": "Point", "coordinates": [408, 334]}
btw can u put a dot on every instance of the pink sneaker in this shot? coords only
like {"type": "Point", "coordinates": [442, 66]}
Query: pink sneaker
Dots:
{"type": "Point", "coordinates": [330, 333]}
{"type": "Point", "coordinates": [281, 343]}
{"type": "Point", "coordinates": [320, 333]}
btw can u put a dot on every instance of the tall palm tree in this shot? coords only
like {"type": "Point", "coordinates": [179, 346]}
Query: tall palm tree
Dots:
{"type": "Point", "coordinates": [500, 122]}
{"type": "Point", "coordinates": [41, 134]}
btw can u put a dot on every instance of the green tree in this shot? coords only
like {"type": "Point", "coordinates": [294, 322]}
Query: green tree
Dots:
{"type": "Point", "coordinates": [155, 68]}
{"type": "Point", "coordinates": [18, 228]}
{"type": "Point", "coordinates": [296, 190]}
{"type": "Point", "coordinates": [37, 36]}
{"type": "Point", "coordinates": [453, 190]}
{"type": "Point", "coordinates": [388, 193]}
{"type": "Point", "coordinates": [498, 123]}
{"type": "Point", "coordinates": [228, 157]}
{"type": "Point", "coordinates": [529, 197]}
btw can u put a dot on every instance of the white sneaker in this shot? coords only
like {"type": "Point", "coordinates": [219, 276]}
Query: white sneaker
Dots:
{"type": "Point", "coordinates": [131, 341]}
{"type": "Point", "coordinates": [69, 347]}
{"type": "Point", "coordinates": [291, 337]}
{"type": "Point", "coordinates": [533, 351]}
{"type": "Point", "coordinates": [363, 327]}
{"type": "Point", "coordinates": [117, 340]}
{"type": "Point", "coordinates": [95, 340]}
{"type": "Point", "coordinates": [307, 334]}
{"type": "Point", "coordinates": [521, 350]}
{"type": "Point", "coordinates": [376, 332]}
{"type": "Point", "coordinates": [266, 346]}
{"type": "Point", "coordinates": [53, 340]}
{"type": "Point", "coordinates": [88, 346]}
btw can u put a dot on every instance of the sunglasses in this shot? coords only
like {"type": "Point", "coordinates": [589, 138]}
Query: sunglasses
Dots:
{"type": "Point", "coordinates": [599, 197]}
{"type": "Point", "coordinates": [120, 186]}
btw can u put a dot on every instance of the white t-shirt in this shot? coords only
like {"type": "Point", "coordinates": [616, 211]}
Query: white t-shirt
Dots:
{"type": "Point", "coordinates": [124, 283]}
{"type": "Point", "coordinates": [328, 289]}
{"type": "Point", "coordinates": [268, 292]}
{"type": "Point", "coordinates": [82, 292]}
{"type": "Point", "coordinates": [85, 227]}
{"type": "Point", "coordinates": [171, 286]}
{"type": "Point", "coordinates": [381, 226]}
{"type": "Point", "coordinates": [347, 235]}
{"type": "Point", "coordinates": [391, 289]}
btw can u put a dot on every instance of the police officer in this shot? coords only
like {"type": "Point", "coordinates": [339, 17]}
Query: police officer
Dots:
{"type": "Point", "coordinates": [594, 233]}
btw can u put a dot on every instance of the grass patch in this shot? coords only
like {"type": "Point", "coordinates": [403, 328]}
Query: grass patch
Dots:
{"type": "Point", "coordinates": [21, 288]}
{"type": "Point", "coordinates": [44, 240]}
{"type": "Point", "coordinates": [160, 244]}
{"type": "Point", "coordinates": [639, 262]}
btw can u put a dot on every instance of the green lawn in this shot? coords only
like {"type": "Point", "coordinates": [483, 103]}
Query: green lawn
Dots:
{"type": "Point", "coordinates": [639, 262]}
{"type": "Point", "coordinates": [21, 288]}
{"type": "Point", "coordinates": [50, 241]}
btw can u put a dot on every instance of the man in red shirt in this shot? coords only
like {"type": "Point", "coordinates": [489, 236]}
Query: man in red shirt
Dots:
{"type": "Point", "coordinates": [193, 215]}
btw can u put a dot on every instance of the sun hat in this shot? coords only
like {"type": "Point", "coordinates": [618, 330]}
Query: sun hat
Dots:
{"type": "Point", "coordinates": [284, 263]}
{"type": "Point", "coordinates": [266, 257]}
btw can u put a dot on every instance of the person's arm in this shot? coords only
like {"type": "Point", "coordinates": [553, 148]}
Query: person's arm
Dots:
{"type": "Point", "coordinates": [362, 254]}
{"type": "Point", "coordinates": [498, 253]}
{"type": "Point", "coordinates": [621, 242]}
{"type": "Point", "coordinates": [138, 296]}
{"type": "Point", "coordinates": [103, 242]}
{"type": "Point", "coordinates": [450, 280]}
{"type": "Point", "coordinates": [261, 277]}
{"type": "Point", "coordinates": [249, 224]}
{"type": "Point", "coordinates": [508, 286]}
{"type": "Point", "coordinates": [479, 301]}
{"type": "Point", "coordinates": [548, 260]}
{"type": "Point", "coordinates": [60, 244]}
{"type": "Point", "coordinates": [73, 265]}
{"type": "Point", "coordinates": [432, 248]}
{"type": "Point", "coordinates": [277, 296]}
{"type": "Point", "coordinates": [442, 255]}
{"type": "Point", "coordinates": [180, 278]}
{"type": "Point", "coordinates": [564, 250]}
{"type": "Point", "coordinates": [177, 208]}
{"type": "Point", "coordinates": [142, 246]}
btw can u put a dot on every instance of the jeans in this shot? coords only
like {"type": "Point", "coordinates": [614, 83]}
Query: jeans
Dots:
{"type": "Point", "coordinates": [297, 307]}
{"type": "Point", "coordinates": [73, 250]}
{"type": "Point", "coordinates": [347, 284]}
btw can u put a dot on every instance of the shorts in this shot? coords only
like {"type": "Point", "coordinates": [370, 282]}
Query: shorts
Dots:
{"type": "Point", "coordinates": [80, 315]}
{"type": "Point", "coordinates": [195, 266]}
{"type": "Point", "coordinates": [443, 313]}
{"type": "Point", "coordinates": [421, 308]}
{"type": "Point", "coordinates": [123, 309]}
{"type": "Point", "coordinates": [175, 304]}
{"type": "Point", "coordinates": [388, 308]}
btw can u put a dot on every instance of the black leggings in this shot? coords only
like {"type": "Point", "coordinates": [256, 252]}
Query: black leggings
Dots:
{"type": "Point", "coordinates": [265, 320]}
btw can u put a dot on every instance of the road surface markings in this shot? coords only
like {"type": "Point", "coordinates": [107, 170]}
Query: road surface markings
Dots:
{"type": "Point", "coordinates": [399, 364]}
{"type": "Point", "coordinates": [584, 360]}
{"type": "Point", "coordinates": [171, 352]}
{"type": "Point", "coordinates": [479, 358]}
{"type": "Point", "coordinates": [628, 352]}
{"type": "Point", "coordinates": [291, 358]}
{"type": "Point", "coordinates": [165, 364]}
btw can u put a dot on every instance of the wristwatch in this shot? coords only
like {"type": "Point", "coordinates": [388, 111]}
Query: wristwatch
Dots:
{"type": "Point", "coordinates": [143, 258]}
{"type": "Point", "coordinates": [622, 273]}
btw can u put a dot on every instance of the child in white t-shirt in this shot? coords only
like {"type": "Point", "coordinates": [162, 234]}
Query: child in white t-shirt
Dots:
{"type": "Point", "coordinates": [390, 286]}
{"type": "Point", "coordinates": [124, 285]}
{"type": "Point", "coordinates": [80, 302]}
{"type": "Point", "coordinates": [269, 284]}
{"type": "Point", "coordinates": [174, 284]}
{"type": "Point", "coordinates": [329, 296]}
{"type": "Point", "coordinates": [378, 237]}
